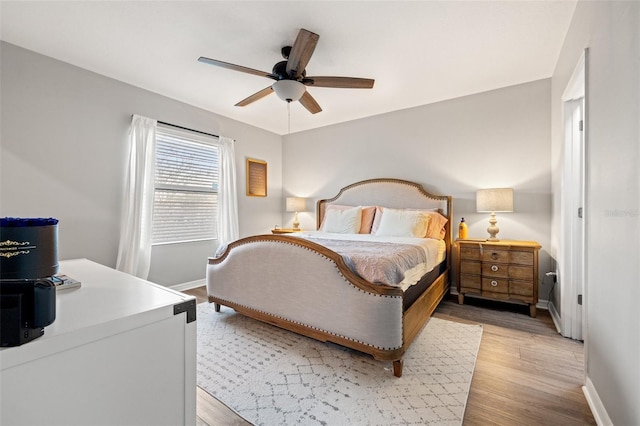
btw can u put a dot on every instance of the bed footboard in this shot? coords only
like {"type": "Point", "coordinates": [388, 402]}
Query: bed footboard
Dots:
{"type": "Point", "coordinates": [304, 287]}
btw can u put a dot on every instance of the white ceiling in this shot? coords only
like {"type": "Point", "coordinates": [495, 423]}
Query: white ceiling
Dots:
{"type": "Point", "coordinates": [418, 52]}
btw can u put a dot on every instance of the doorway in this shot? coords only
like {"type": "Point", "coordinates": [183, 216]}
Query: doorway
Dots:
{"type": "Point", "coordinates": [571, 270]}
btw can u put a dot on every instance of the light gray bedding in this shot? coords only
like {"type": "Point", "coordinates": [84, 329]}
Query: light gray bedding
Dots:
{"type": "Point", "coordinates": [393, 261]}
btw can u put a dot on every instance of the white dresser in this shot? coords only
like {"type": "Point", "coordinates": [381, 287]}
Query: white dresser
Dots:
{"type": "Point", "coordinates": [122, 351]}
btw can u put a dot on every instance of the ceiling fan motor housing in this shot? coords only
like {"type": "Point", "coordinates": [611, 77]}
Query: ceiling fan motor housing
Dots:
{"type": "Point", "coordinates": [280, 71]}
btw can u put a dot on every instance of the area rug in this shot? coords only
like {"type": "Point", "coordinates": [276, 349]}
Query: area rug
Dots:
{"type": "Point", "coordinates": [271, 376]}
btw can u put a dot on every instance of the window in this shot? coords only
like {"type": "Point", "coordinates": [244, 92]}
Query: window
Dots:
{"type": "Point", "coordinates": [186, 186]}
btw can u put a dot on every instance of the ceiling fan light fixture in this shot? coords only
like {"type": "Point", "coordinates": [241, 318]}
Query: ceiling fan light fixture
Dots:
{"type": "Point", "coordinates": [289, 90]}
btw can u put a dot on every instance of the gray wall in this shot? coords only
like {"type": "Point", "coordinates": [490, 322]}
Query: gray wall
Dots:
{"type": "Point", "coordinates": [611, 31]}
{"type": "Point", "coordinates": [63, 154]}
{"type": "Point", "coordinates": [499, 138]}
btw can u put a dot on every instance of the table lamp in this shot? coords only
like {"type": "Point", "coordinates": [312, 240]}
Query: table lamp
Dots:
{"type": "Point", "coordinates": [296, 204]}
{"type": "Point", "coordinates": [494, 200]}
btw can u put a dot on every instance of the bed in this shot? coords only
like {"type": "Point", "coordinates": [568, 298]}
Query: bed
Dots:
{"type": "Point", "coordinates": [297, 282]}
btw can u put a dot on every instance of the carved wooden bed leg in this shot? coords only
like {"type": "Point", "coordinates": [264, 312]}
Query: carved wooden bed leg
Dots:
{"type": "Point", "coordinates": [397, 367]}
{"type": "Point", "coordinates": [216, 306]}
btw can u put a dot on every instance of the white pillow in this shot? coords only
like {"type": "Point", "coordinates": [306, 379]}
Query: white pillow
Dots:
{"type": "Point", "coordinates": [403, 223]}
{"type": "Point", "coordinates": [345, 221]}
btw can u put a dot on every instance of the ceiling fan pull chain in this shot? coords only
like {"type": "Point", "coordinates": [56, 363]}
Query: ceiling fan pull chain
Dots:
{"type": "Point", "coordinates": [289, 116]}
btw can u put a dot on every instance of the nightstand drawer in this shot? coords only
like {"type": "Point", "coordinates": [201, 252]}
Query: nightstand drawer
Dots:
{"type": "Point", "coordinates": [521, 257]}
{"type": "Point", "coordinates": [470, 281]}
{"type": "Point", "coordinates": [469, 253]}
{"type": "Point", "coordinates": [495, 256]}
{"type": "Point", "coordinates": [495, 285]}
{"type": "Point", "coordinates": [524, 273]}
{"type": "Point", "coordinates": [467, 267]}
{"type": "Point", "coordinates": [495, 270]}
{"type": "Point", "coordinates": [522, 288]}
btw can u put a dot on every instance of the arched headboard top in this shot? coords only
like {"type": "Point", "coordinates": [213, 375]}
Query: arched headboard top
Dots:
{"type": "Point", "coordinates": [388, 192]}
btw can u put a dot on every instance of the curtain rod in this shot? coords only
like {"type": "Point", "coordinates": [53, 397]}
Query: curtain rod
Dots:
{"type": "Point", "coordinates": [186, 128]}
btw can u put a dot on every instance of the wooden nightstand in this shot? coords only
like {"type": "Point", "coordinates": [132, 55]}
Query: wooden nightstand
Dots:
{"type": "Point", "coordinates": [505, 270]}
{"type": "Point", "coordinates": [284, 230]}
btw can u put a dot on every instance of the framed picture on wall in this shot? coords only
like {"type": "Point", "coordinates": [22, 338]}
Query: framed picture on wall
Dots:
{"type": "Point", "coordinates": [256, 178]}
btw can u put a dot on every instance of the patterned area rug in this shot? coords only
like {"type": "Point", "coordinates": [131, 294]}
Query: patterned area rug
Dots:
{"type": "Point", "coordinates": [271, 376]}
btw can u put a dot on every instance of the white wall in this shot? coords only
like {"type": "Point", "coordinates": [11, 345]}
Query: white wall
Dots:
{"type": "Point", "coordinates": [63, 155]}
{"type": "Point", "coordinates": [499, 138]}
{"type": "Point", "coordinates": [611, 31]}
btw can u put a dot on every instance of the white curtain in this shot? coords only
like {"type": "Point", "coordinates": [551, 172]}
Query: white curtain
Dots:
{"type": "Point", "coordinates": [228, 229]}
{"type": "Point", "coordinates": [134, 253]}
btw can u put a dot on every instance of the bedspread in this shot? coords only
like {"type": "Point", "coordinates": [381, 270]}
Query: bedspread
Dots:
{"type": "Point", "coordinates": [401, 262]}
{"type": "Point", "coordinates": [377, 262]}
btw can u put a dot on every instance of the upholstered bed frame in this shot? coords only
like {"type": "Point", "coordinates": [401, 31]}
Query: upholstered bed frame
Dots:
{"type": "Point", "coordinates": [306, 288]}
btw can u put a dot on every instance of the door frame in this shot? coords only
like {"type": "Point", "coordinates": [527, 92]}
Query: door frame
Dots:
{"type": "Point", "coordinates": [573, 241]}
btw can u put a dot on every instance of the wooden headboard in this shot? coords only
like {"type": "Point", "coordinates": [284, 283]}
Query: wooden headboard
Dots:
{"type": "Point", "coordinates": [393, 193]}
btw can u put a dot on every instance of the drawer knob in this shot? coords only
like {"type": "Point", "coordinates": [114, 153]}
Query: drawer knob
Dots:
{"type": "Point", "coordinates": [494, 256]}
{"type": "Point", "coordinates": [494, 268]}
{"type": "Point", "coordinates": [494, 283]}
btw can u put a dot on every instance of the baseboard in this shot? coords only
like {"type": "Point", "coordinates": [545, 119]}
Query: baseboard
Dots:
{"type": "Point", "coordinates": [542, 304]}
{"type": "Point", "coordinates": [188, 285]}
{"type": "Point", "coordinates": [595, 404]}
{"type": "Point", "coordinates": [555, 316]}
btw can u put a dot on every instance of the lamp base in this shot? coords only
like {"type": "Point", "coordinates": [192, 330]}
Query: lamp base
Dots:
{"type": "Point", "coordinates": [493, 229]}
{"type": "Point", "coordinates": [296, 223]}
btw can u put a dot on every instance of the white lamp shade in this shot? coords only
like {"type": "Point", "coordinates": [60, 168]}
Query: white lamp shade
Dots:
{"type": "Point", "coordinates": [296, 204]}
{"type": "Point", "coordinates": [289, 90]}
{"type": "Point", "coordinates": [494, 200]}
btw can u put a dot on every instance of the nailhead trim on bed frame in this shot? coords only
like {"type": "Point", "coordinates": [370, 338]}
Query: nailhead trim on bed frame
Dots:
{"type": "Point", "coordinates": [310, 326]}
{"type": "Point", "coordinates": [317, 253]}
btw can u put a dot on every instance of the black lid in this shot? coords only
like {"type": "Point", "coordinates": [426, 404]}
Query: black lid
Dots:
{"type": "Point", "coordinates": [28, 248]}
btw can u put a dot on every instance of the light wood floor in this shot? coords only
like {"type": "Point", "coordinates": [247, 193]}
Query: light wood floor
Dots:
{"type": "Point", "coordinates": [526, 373]}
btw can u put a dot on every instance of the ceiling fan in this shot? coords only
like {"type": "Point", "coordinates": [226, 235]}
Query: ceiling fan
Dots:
{"type": "Point", "coordinates": [291, 77]}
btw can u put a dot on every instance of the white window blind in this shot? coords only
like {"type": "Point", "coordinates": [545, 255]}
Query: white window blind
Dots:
{"type": "Point", "coordinates": [186, 186]}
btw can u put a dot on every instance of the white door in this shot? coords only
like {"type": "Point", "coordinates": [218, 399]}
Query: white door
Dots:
{"type": "Point", "coordinates": [572, 236]}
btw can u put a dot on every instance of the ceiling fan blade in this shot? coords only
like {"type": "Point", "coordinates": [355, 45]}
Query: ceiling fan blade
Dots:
{"type": "Point", "coordinates": [309, 103]}
{"type": "Point", "coordinates": [301, 52]}
{"type": "Point", "coordinates": [339, 82]}
{"type": "Point", "coordinates": [258, 95]}
{"type": "Point", "coordinates": [236, 67]}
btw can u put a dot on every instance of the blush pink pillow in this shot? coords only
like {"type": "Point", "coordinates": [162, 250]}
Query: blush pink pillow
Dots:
{"type": "Point", "coordinates": [436, 228]}
{"type": "Point", "coordinates": [368, 213]}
